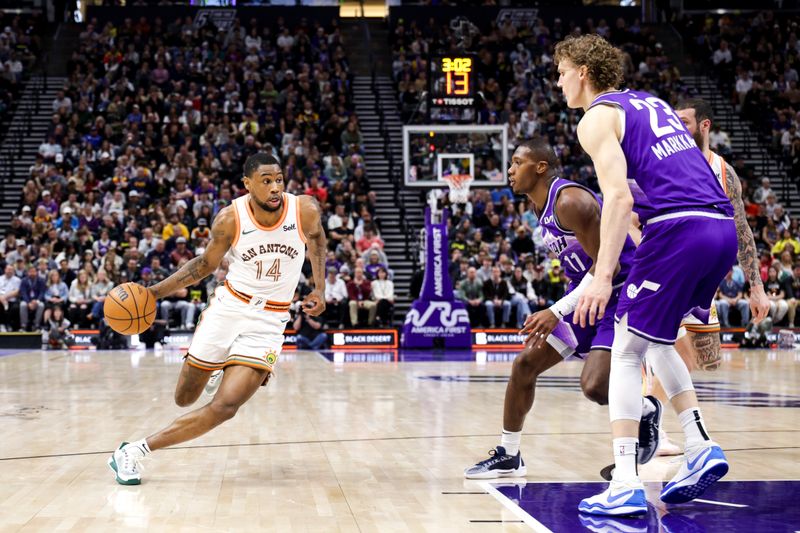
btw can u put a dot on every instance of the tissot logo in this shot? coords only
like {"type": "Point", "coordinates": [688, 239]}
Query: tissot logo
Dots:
{"type": "Point", "coordinates": [290, 227]}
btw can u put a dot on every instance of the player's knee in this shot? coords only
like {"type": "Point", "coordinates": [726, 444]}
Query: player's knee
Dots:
{"type": "Point", "coordinates": [595, 388]}
{"type": "Point", "coordinates": [527, 364]}
{"type": "Point", "coordinates": [223, 410]}
{"type": "Point", "coordinates": [184, 398]}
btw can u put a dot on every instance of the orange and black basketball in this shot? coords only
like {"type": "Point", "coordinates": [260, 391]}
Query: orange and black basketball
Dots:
{"type": "Point", "coordinates": [129, 308]}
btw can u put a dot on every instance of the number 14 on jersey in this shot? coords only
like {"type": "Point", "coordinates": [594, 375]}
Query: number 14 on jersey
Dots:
{"type": "Point", "coordinates": [274, 271]}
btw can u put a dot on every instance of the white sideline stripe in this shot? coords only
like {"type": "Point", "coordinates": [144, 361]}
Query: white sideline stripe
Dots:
{"type": "Point", "coordinates": [724, 504]}
{"type": "Point", "coordinates": [514, 508]}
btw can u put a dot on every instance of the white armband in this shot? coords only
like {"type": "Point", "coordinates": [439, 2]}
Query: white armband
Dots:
{"type": "Point", "coordinates": [569, 302]}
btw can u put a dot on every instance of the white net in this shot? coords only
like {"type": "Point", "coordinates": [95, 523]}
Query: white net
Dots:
{"type": "Point", "coordinates": [459, 187]}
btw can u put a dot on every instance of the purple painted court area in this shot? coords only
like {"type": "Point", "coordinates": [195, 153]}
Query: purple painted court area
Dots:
{"type": "Point", "coordinates": [751, 506]}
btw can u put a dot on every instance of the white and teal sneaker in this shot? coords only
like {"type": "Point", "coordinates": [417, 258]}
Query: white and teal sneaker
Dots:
{"type": "Point", "coordinates": [619, 499]}
{"type": "Point", "coordinates": [125, 462]}
{"type": "Point", "coordinates": [702, 467]}
{"type": "Point", "coordinates": [499, 464]}
{"type": "Point", "coordinates": [213, 383]}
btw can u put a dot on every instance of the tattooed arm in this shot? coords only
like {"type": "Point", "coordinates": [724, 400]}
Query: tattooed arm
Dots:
{"type": "Point", "coordinates": [223, 231]}
{"type": "Point", "coordinates": [706, 346]}
{"type": "Point", "coordinates": [748, 254]}
{"type": "Point", "coordinates": [311, 221]}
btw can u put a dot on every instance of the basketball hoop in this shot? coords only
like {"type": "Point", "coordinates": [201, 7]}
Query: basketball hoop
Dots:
{"type": "Point", "coordinates": [459, 187]}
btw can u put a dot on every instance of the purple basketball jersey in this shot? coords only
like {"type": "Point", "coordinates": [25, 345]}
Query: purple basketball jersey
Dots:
{"type": "Point", "coordinates": [575, 261]}
{"type": "Point", "coordinates": [666, 170]}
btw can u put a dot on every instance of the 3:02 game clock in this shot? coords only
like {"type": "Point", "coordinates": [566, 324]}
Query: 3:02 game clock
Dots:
{"type": "Point", "coordinates": [451, 94]}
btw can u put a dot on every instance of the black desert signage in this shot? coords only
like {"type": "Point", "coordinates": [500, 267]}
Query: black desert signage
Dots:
{"type": "Point", "coordinates": [363, 338]}
{"type": "Point", "coordinates": [496, 338]}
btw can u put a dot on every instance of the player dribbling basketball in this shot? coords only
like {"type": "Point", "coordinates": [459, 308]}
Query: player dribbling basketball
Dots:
{"type": "Point", "coordinates": [264, 234]}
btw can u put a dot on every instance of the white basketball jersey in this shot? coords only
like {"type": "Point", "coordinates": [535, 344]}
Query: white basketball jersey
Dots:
{"type": "Point", "coordinates": [720, 170]}
{"type": "Point", "coordinates": [266, 262]}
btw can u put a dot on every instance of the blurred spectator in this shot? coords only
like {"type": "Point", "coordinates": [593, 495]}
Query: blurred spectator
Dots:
{"type": "Point", "coordinates": [760, 194]}
{"type": "Point", "coordinates": [100, 288]}
{"type": "Point", "coordinates": [787, 242]}
{"type": "Point", "coordinates": [179, 301]}
{"type": "Point", "coordinates": [777, 291]}
{"type": "Point", "coordinates": [383, 292]}
{"type": "Point", "coordinates": [794, 300]}
{"type": "Point", "coordinates": [730, 295]}
{"type": "Point", "coordinates": [369, 240]}
{"type": "Point", "coordinates": [32, 289]}
{"type": "Point", "coordinates": [359, 293]}
{"type": "Point", "coordinates": [80, 299]}
{"type": "Point", "coordinates": [335, 298]}
{"type": "Point", "coordinates": [310, 331]}
{"type": "Point", "coordinates": [56, 293]}
{"type": "Point", "coordinates": [470, 291]}
{"type": "Point", "coordinates": [496, 297]}
{"type": "Point", "coordinates": [522, 296]}
{"type": "Point", "coordinates": [9, 300]}
{"type": "Point", "coordinates": [56, 329]}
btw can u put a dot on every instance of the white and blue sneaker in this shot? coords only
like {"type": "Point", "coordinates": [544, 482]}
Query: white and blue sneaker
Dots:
{"type": "Point", "coordinates": [649, 434]}
{"type": "Point", "coordinates": [499, 464]}
{"type": "Point", "coordinates": [621, 498]}
{"type": "Point", "coordinates": [702, 467]}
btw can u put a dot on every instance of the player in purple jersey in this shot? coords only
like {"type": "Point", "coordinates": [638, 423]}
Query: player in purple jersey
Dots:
{"type": "Point", "coordinates": [646, 161]}
{"type": "Point", "coordinates": [569, 216]}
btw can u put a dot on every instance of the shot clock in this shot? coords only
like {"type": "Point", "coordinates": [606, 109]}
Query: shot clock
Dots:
{"type": "Point", "coordinates": [452, 92]}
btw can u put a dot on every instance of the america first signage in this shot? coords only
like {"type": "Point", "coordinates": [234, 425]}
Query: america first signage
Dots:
{"type": "Point", "coordinates": [436, 318]}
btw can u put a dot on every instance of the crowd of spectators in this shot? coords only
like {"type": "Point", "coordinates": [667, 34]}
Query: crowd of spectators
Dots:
{"type": "Point", "coordinates": [147, 143]}
{"type": "Point", "coordinates": [20, 44]}
{"type": "Point", "coordinates": [754, 56]}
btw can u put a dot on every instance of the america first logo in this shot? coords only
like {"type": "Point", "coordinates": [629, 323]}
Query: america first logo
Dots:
{"type": "Point", "coordinates": [439, 319]}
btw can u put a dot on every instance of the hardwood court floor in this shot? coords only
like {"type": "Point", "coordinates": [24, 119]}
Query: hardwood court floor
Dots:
{"type": "Point", "coordinates": [332, 445]}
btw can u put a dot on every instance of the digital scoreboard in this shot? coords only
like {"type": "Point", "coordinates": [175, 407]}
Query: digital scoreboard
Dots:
{"type": "Point", "coordinates": [452, 90]}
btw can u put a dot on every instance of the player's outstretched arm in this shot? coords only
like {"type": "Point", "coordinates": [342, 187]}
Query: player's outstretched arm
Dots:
{"type": "Point", "coordinates": [223, 232]}
{"type": "Point", "coordinates": [317, 243]}
{"type": "Point", "coordinates": [598, 133]}
{"type": "Point", "coordinates": [748, 253]}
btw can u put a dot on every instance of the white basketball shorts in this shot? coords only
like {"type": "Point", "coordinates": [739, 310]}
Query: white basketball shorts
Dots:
{"type": "Point", "coordinates": [232, 332]}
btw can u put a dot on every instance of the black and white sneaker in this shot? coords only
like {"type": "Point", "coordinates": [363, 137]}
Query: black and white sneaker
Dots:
{"type": "Point", "coordinates": [499, 464]}
{"type": "Point", "coordinates": [648, 432]}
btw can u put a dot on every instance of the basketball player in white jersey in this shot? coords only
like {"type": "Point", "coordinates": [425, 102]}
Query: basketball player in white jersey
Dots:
{"type": "Point", "coordinates": [700, 345]}
{"type": "Point", "coordinates": [698, 342]}
{"type": "Point", "coordinates": [264, 234]}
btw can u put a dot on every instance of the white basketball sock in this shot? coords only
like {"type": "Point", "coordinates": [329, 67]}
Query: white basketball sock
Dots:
{"type": "Point", "coordinates": [510, 441]}
{"type": "Point", "coordinates": [140, 446]}
{"type": "Point", "coordinates": [694, 428]}
{"type": "Point", "coordinates": [625, 459]}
